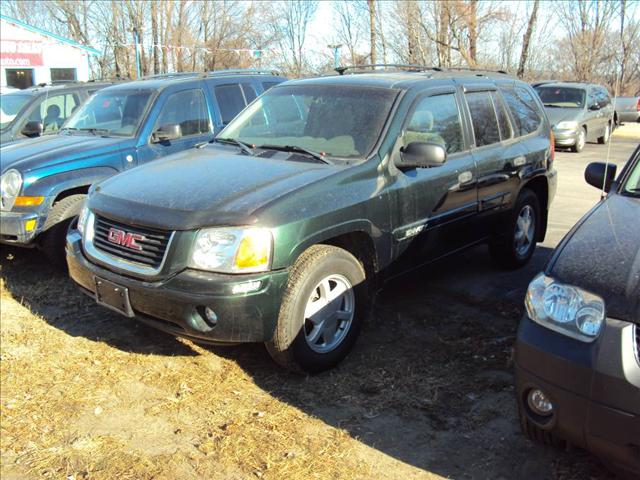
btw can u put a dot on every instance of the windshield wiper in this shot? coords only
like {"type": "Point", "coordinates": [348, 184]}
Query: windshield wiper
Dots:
{"type": "Point", "coordinates": [296, 149]}
{"type": "Point", "coordinates": [245, 147]}
{"type": "Point", "coordinates": [95, 131]}
{"type": "Point", "coordinates": [553, 105]}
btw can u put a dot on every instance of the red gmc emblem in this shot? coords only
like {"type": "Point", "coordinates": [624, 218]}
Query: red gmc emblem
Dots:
{"type": "Point", "coordinates": [126, 239]}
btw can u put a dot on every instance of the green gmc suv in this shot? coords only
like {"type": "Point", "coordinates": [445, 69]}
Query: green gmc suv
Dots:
{"type": "Point", "coordinates": [281, 229]}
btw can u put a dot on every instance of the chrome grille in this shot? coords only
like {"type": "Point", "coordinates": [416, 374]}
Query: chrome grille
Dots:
{"type": "Point", "coordinates": [153, 245]}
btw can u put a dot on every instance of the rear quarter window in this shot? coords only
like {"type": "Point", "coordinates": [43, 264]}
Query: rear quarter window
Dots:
{"type": "Point", "coordinates": [524, 109]}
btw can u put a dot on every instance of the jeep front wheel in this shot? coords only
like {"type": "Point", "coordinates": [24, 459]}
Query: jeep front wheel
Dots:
{"type": "Point", "coordinates": [54, 236]}
{"type": "Point", "coordinates": [324, 304]}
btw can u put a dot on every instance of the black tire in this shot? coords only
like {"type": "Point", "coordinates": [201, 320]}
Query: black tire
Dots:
{"type": "Point", "coordinates": [53, 238]}
{"type": "Point", "coordinates": [537, 434]}
{"type": "Point", "coordinates": [604, 139]}
{"type": "Point", "coordinates": [504, 249]}
{"type": "Point", "coordinates": [289, 345]}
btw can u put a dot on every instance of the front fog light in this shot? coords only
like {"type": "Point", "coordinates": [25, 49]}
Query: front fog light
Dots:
{"type": "Point", "coordinates": [212, 318]}
{"type": "Point", "coordinates": [539, 403]}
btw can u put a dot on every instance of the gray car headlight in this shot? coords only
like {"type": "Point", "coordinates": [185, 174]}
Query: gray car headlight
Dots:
{"type": "Point", "coordinates": [565, 308]}
{"type": "Point", "coordinates": [232, 250]}
{"type": "Point", "coordinates": [10, 186]}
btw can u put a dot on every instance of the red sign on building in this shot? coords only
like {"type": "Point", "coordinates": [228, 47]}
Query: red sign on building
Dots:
{"type": "Point", "coordinates": [20, 53]}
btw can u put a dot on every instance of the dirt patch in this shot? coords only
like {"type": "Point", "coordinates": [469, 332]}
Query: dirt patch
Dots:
{"type": "Point", "coordinates": [427, 393]}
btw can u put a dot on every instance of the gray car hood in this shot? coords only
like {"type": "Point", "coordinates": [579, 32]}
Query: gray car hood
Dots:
{"type": "Point", "coordinates": [602, 256]}
{"type": "Point", "coordinates": [557, 115]}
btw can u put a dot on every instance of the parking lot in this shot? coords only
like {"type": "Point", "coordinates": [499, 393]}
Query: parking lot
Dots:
{"type": "Point", "coordinates": [427, 392]}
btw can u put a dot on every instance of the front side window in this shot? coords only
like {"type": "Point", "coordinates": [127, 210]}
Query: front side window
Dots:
{"type": "Point", "coordinates": [562, 97]}
{"type": "Point", "coordinates": [10, 106]}
{"type": "Point", "coordinates": [632, 185]}
{"type": "Point", "coordinates": [339, 120]}
{"type": "Point", "coordinates": [483, 118]}
{"type": "Point", "coordinates": [188, 109]}
{"type": "Point", "coordinates": [436, 119]}
{"type": "Point", "coordinates": [54, 110]}
{"type": "Point", "coordinates": [111, 112]}
{"type": "Point", "coordinates": [524, 109]}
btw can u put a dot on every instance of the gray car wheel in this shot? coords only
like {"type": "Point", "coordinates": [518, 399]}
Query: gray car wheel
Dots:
{"type": "Point", "coordinates": [581, 141]}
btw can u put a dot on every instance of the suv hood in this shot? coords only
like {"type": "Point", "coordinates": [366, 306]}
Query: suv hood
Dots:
{"type": "Point", "coordinates": [200, 187]}
{"type": "Point", "coordinates": [602, 255]}
{"type": "Point", "coordinates": [557, 115]}
{"type": "Point", "coordinates": [51, 150]}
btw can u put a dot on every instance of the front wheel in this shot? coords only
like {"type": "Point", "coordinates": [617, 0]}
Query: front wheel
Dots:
{"type": "Point", "coordinates": [581, 141]}
{"type": "Point", "coordinates": [324, 305]}
{"type": "Point", "coordinates": [516, 247]}
{"type": "Point", "coordinates": [53, 238]}
{"type": "Point", "coordinates": [604, 139]}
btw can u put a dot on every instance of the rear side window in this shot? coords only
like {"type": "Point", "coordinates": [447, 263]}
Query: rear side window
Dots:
{"type": "Point", "coordinates": [188, 109]}
{"type": "Point", "coordinates": [268, 85]}
{"type": "Point", "coordinates": [483, 117]}
{"type": "Point", "coordinates": [249, 93]}
{"type": "Point", "coordinates": [436, 119]}
{"type": "Point", "coordinates": [524, 110]}
{"type": "Point", "coordinates": [503, 116]}
{"type": "Point", "coordinates": [230, 101]}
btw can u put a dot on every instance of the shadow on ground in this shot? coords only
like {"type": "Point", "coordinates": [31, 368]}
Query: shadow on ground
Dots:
{"type": "Point", "coordinates": [429, 382]}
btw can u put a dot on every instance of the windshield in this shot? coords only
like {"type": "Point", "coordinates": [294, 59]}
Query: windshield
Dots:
{"type": "Point", "coordinates": [632, 185]}
{"type": "Point", "coordinates": [561, 97]}
{"type": "Point", "coordinates": [337, 120]}
{"type": "Point", "coordinates": [115, 112]}
{"type": "Point", "coordinates": [10, 106]}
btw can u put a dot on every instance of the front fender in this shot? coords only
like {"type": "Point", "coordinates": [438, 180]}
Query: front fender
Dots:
{"type": "Point", "coordinates": [52, 185]}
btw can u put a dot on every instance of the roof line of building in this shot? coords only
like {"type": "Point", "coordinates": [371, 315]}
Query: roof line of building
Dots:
{"type": "Point", "coordinates": [68, 41]}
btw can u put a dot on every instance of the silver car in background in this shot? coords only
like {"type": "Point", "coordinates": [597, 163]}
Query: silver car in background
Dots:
{"type": "Point", "coordinates": [578, 112]}
{"type": "Point", "coordinates": [628, 108]}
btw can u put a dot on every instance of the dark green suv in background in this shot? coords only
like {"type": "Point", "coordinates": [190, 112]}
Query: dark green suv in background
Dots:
{"type": "Point", "coordinates": [280, 230]}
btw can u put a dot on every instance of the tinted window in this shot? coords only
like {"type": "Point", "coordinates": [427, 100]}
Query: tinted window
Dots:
{"type": "Point", "coordinates": [187, 109]}
{"type": "Point", "coordinates": [503, 117]}
{"type": "Point", "coordinates": [268, 85]}
{"type": "Point", "coordinates": [524, 110]}
{"type": "Point", "coordinates": [230, 101]}
{"type": "Point", "coordinates": [342, 121]}
{"type": "Point", "coordinates": [483, 117]}
{"type": "Point", "coordinates": [561, 97]}
{"type": "Point", "coordinates": [249, 93]}
{"type": "Point", "coordinates": [436, 119]}
{"type": "Point", "coordinates": [54, 110]}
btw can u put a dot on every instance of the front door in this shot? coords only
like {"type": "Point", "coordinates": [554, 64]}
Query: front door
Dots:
{"type": "Point", "coordinates": [187, 109]}
{"type": "Point", "coordinates": [435, 207]}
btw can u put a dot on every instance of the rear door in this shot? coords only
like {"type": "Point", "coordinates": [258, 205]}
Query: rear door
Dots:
{"type": "Point", "coordinates": [498, 154]}
{"type": "Point", "coordinates": [186, 107]}
{"type": "Point", "coordinates": [436, 207]}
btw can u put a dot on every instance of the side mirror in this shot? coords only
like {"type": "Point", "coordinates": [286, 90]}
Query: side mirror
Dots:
{"type": "Point", "coordinates": [166, 133]}
{"type": "Point", "coordinates": [422, 155]}
{"type": "Point", "coordinates": [599, 174]}
{"type": "Point", "coordinates": [32, 129]}
{"type": "Point", "coordinates": [594, 106]}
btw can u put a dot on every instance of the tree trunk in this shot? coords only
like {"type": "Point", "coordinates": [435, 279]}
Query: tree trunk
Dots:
{"type": "Point", "coordinates": [527, 38]}
{"type": "Point", "coordinates": [154, 36]}
{"type": "Point", "coordinates": [473, 33]}
{"type": "Point", "coordinates": [372, 27]}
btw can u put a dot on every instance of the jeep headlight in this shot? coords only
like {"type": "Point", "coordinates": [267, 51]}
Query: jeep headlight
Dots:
{"type": "Point", "coordinates": [567, 125]}
{"type": "Point", "coordinates": [232, 250]}
{"type": "Point", "coordinates": [564, 308]}
{"type": "Point", "coordinates": [10, 186]}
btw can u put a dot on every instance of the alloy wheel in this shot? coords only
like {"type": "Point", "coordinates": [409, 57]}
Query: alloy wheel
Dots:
{"type": "Point", "coordinates": [525, 229]}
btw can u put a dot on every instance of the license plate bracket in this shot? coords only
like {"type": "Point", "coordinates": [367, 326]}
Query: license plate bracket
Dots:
{"type": "Point", "coordinates": [113, 296]}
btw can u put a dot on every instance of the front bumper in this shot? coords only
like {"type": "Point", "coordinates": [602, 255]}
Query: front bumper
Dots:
{"type": "Point", "coordinates": [594, 387]}
{"type": "Point", "coordinates": [176, 304]}
{"type": "Point", "coordinates": [565, 138]}
{"type": "Point", "coordinates": [13, 227]}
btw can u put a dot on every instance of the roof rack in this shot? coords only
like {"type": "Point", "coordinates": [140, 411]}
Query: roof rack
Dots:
{"type": "Point", "coordinates": [241, 71]}
{"type": "Point", "coordinates": [479, 70]}
{"type": "Point", "coordinates": [158, 76]}
{"type": "Point", "coordinates": [398, 66]}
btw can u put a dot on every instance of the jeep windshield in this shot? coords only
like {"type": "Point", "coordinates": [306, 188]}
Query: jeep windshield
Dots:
{"type": "Point", "coordinates": [561, 97]}
{"type": "Point", "coordinates": [334, 120]}
{"type": "Point", "coordinates": [10, 106]}
{"type": "Point", "coordinates": [110, 113]}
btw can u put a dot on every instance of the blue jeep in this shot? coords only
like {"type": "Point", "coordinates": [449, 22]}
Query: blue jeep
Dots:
{"type": "Point", "coordinates": [44, 180]}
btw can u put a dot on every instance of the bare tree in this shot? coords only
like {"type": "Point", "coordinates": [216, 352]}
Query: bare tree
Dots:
{"type": "Point", "coordinates": [372, 29]}
{"type": "Point", "coordinates": [350, 28]}
{"type": "Point", "coordinates": [527, 38]}
{"type": "Point", "coordinates": [290, 20]}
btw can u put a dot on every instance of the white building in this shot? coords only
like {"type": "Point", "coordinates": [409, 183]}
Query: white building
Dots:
{"type": "Point", "coordinates": [30, 56]}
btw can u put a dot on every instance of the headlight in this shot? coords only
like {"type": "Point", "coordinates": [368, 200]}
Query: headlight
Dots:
{"type": "Point", "coordinates": [82, 218]}
{"type": "Point", "coordinates": [10, 186]}
{"type": "Point", "coordinates": [232, 250]}
{"type": "Point", "coordinates": [565, 308]}
{"type": "Point", "coordinates": [570, 125]}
